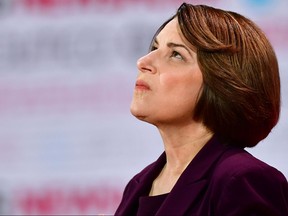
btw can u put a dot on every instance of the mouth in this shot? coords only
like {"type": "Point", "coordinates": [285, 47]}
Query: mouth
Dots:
{"type": "Point", "coordinates": [142, 85]}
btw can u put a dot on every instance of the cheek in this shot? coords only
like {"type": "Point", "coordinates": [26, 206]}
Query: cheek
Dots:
{"type": "Point", "coordinates": [169, 80]}
{"type": "Point", "coordinates": [187, 83]}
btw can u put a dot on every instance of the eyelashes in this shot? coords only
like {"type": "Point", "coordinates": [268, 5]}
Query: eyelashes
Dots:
{"type": "Point", "coordinates": [152, 48]}
{"type": "Point", "coordinates": [177, 55]}
{"type": "Point", "coordinates": [174, 53]}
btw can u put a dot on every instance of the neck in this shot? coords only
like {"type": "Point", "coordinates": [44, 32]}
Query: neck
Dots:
{"type": "Point", "coordinates": [182, 144]}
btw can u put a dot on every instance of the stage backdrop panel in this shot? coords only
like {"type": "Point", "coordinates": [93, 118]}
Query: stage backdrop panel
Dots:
{"type": "Point", "coordinates": [68, 143]}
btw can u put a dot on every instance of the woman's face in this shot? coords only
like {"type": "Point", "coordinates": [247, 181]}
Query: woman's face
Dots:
{"type": "Point", "coordinates": [169, 80]}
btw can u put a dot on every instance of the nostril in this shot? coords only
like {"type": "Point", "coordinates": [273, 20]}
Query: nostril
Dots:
{"type": "Point", "coordinates": [146, 69]}
{"type": "Point", "coordinates": [146, 64]}
{"type": "Point", "coordinates": [141, 63]}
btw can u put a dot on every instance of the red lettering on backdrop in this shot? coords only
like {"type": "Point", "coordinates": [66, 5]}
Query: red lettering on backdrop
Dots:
{"type": "Point", "coordinates": [83, 201]}
{"type": "Point", "coordinates": [60, 201]}
{"type": "Point", "coordinates": [44, 202]}
{"type": "Point", "coordinates": [43, 3]}
{"type": "Point", "coordinates": [54, 4]}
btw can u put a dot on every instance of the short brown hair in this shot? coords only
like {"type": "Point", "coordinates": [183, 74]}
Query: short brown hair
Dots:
{"type": "Point", "coordinates": [240, 97]}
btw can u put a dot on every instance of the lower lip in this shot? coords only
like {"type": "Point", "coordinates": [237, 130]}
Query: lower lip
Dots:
{"type": "Point", "coordinates": [141, 87]}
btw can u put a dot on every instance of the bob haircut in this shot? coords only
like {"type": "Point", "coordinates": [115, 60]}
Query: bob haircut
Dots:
{"type": "Point", "coordinates": [240, 96]}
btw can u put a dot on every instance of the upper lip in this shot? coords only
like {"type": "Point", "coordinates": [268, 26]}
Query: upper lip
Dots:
{"type": "Point", "coordinates": [142, 83]}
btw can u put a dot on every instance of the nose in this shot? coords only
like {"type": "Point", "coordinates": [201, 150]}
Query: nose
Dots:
{"type": "Point", "coordinates": [146, 64]}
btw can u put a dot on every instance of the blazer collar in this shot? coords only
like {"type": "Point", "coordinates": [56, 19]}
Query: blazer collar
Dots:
{"type": "Point", "coordinates": [190, 184]}
{"type": "Point", "coordinates": [198, 167]}
{"type": "Point", "coordinates": [193, 180]}
{"type": "Point", "coordinates": [139, 186]}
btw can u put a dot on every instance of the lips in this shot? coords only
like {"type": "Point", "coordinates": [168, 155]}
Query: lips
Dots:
{"type": "Point", "coordinates": [142, 85]}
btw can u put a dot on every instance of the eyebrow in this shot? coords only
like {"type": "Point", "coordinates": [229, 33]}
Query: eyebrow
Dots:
{"type": "Point", "coordinates": [173, 45]}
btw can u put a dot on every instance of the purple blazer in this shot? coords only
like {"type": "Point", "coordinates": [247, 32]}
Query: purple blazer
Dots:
{"type": "Point", "coordinates": [221, 180]}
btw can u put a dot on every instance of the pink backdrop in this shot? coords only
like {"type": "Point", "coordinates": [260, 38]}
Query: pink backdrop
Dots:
{"type": "Point", "coordinates": [68, 143]}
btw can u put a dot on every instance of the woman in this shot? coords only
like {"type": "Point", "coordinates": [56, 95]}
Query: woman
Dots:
{"type": "Point", "coordinates": [210, 84]}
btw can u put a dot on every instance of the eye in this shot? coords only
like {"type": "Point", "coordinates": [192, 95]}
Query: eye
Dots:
{"type": "Point", "coordinates": [152, 48]}
{"type": "Point", "coordinates": [177, 55]}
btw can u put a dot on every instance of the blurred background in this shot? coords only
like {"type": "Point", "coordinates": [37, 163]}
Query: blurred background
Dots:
{"type": "Point", "coordinates": [68, 144]}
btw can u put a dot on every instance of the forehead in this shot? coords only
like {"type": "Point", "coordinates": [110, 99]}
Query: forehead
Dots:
{"type": "Point", "coordinates": [170, 31]}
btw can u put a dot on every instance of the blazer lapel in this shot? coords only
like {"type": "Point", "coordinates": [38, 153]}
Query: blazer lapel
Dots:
{"type": "Point", "coordinates": [194, 180]}
{"type": "Point", "coordinates": [139, 186]}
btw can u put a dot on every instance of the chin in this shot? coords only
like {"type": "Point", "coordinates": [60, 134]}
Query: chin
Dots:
{"type": "Point", "coordinates": [138, 114]}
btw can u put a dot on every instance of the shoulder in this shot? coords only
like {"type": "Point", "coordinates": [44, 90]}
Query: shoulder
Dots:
{"type": "Point", "coordinates": [237, 166]}
{"type": "Point", "coordinates": [243, 182]}
{"type": "Point", "coordinates": [235, 163]}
